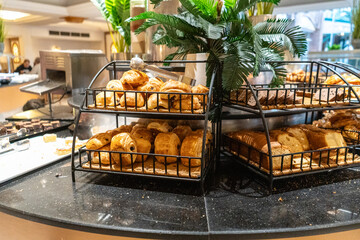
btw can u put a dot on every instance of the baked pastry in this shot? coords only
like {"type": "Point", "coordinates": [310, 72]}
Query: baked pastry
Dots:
{"type": "Point", "coordinates": [142, 132]}
{"type": "Point", "coordinates": [159, 127]}
{"type": "Point", "coordinates": [104, 156]}
{"type": "Point", "coordinates": [121, 129]}
{"type": "Point", "coordinates": [117, 85]}
{"type": "Point", "coordinates": [187, 103]}
{"type": "Point", "coordinates": [153, 102]}
{"type": "Point", "coordinates": [153, 85]}
{"type": "Point", "coordinates": [98, 140]}
{"type": "Point", "coordinates": [49, 137]}
{"type": "Point", "coordinates": [200, 89]}
{"type": "Point", "coordinates": [352, 132]}
{"type": "Point", "coordinates": [182, 131]}
{"type": "Point", "coordinates": [167, 144]}
{"type": "Point", "coordinates": [172, 86]}
{"type": "Point", "coordinates": [123, 142]}
{"type": "Point", "coordinates": [143, 146]}
{"type": "Point", "coordinates": [109, 97]}
{"type": "Point", "coordinates": [258, 141]}
{"type": "Point", "coordinates": [200, 132]}
{"type": "Point", "coordinates": [134, 78]}
{"type": "Point", "coordinates": [191, 147]}
{"type": "Point", "coordinates": [130, 100]}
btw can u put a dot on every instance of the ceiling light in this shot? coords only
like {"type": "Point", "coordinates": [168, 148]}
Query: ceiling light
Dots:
{"type": "Point", "coordinates": [12, 15]}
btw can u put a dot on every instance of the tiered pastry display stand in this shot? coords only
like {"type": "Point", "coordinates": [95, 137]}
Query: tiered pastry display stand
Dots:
{"type": "Point", "coordinates": [148, 166]}
{"type": "Point", "coordinates": [260, 101]}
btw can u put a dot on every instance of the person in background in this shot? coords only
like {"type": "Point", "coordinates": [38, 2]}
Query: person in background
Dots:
{"type": "Point", "coordinates": [24, 68]}
{"type": "Point", "coordinates": [36, 69]}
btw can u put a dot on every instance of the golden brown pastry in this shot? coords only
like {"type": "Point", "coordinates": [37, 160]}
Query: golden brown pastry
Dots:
{"type": "Point", "coordinates": [104, 156]}
{"type": "Point", "coordinates": [121, 129]}
{"type": "Point", "coordinates": [287, 139]}
{"type": "Point", "coordinates": [352, 132]}
{"type": "Point", "coordinates": [186, 104]}
{"type": "Point", "coordinates": [99, 140]}
{"type": "Point", "coordinates": [191, 147]}
{"type": "Point", "coordinates": [172, 86]}
{"type": "Point", "coordinates": [130, 100]}
{"type": "Point", "coordinates": [167, 144]}
{"type": "Point", "coordinates": [300, 135]}
{"type": "Point", "coordinates": [142, 132]}
{"type": "Point", "coordinates": [117, 85]}
{"type": "Point", "coordinates": [134, 78]}
{"type": "Point", "coordinates": [200, 132]}
{"type": "Point", "coordinates": [182, 131]}
{"type": "Point", "coordinates": [143, 146]}
{"type": "Point", "coordinates": [153, 102]}
{"type": "Point", "coordinates": [123, 142]}
{"type": "Point", "coordinates": [109, 97]}
{"type": "Point", "coordinates": [153, 85]}
{"type": "Point", "coordinates": [159, 127]}
{"type": "Point", "coordinates": [200, 89]}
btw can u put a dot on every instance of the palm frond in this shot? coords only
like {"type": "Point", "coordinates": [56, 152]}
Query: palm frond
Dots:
{"type": "Point", "coordinates": [279, 31]}
{"type": "Point", "coordinates": [169, 20]}
{"type": "Point", "coordinates": [205, 9]}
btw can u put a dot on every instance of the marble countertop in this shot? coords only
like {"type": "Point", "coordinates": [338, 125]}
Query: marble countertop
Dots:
{"type": "Point", "coordinates": [235, 205]}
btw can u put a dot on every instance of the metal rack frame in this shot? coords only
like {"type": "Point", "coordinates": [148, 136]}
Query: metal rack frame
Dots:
{"type": "Point", "coordinates": [208, 152]}
{"type": "Point", "coordinates": [258, 111]}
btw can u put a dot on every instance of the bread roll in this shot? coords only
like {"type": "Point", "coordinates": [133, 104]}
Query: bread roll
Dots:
{"type": "Point", "coordinates": [192, 147]}
{"type": "Point", "coordinates": [143, 146]}
{"type": "Point", "coordinates": [130, 100]}
{"type": "Point", "coordinates": [167, 144]}
{"type": "Point", "coordinates": [98, 140]}
{"type": "Point", "coordinates": [134, 78]}
{"type": "Point", "coordinates": [123, 142]}
{"type": "Point", "coordinates": [182, 131]}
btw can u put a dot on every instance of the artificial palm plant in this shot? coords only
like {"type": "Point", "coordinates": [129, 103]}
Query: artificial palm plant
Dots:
{"type": "Point", "coordinates": [356, 24]}
{"type": "Point", "coordinates": [263, 7]}
{"type": "Point", "coordinates": [115, 13]}
{"type": "Point", "coordinates": [222, 30]}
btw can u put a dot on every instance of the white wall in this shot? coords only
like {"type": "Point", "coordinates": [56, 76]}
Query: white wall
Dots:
{"type": "Point", "coordinates": [36, 38]}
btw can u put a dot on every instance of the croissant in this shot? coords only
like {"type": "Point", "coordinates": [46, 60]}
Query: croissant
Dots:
{"type": "Point", "coordinates": [104, 156]}
{"type": "Point", "coordinates": [121, 129]}
{"type": "Point", "coordinates": [98, 140]}
{"type": "Point", "coordinates": [134, 78]}
{"type": "Point", "coordinates": [123, 142]}
{"type": "Point", "coordinates": [200, 89]}
{"type": "Point", "coordinates": [153, 85]}
{"type": "Point", "coordinates": [191, 147]}
{"type": "Point", "coordinates": [172, 86]}
{"type": "Point", "coordinates": [167, 144]}
{"type": "Point", "coordinates": [153, 102]}
{"type": "Point", "coordinates": [186, 104]}
{"type": "Point", "coordinates": [117, 85]}
{"type": "Point", "coordinates": [130, 100]}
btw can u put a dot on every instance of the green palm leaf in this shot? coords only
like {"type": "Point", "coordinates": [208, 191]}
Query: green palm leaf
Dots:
{"type": "Point", "coordinates": [279, 31]}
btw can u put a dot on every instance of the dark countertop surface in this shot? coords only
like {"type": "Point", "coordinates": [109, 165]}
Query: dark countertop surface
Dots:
{"type": "Point", "coordinates": [235, 205]}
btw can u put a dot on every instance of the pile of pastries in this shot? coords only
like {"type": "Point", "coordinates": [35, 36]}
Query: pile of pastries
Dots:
{"type": "Point", "coordinates": [286, 143]}
{"type": "Point", "coordinates": [348, 120]}
{"type": "Point", "coordinates": [150, 96]}
{"type": "Point", "coordinates": [157, 137]}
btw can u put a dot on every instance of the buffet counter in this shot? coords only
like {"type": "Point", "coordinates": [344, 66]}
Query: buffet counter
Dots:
{"type": "Point", "coordinates": [43, 203]}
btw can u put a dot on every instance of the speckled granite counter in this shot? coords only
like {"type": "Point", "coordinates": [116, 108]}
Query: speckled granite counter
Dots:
{"type": "Point", "coordinates": [235, 206]}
